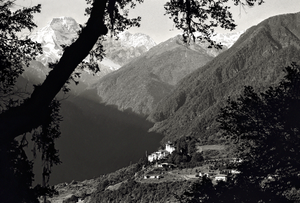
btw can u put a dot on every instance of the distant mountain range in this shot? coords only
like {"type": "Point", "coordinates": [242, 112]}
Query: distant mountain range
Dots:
{"type": "Point", "coordinates": [127, 47]}
{"type": "Point", "coordinates": [60, 31]}
{"type": "Point", "coordinates": [257, 59]}
{"type": "Point", "coordinates": [227, 39]}
{"type": "Point", "coordinates": [63, 30]}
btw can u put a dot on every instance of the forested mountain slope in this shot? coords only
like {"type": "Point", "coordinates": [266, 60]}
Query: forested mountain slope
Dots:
{"type": "Point", "coordinates": [142, 83]}
{"type": "Point", "coordinates": [256, 59]}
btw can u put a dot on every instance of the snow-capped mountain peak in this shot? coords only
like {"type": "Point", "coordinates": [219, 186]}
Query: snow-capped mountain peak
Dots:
{"type": "Point", "coordinates": [60, 31]}
{"type": "Point", "coordinates": [227, 39]}
{"type": "Point", "coordinates": [66, 24]}
{"type": "Point", "coordinates": [136, 40]}
{"type": "Point", "coordinates": [63, 30]}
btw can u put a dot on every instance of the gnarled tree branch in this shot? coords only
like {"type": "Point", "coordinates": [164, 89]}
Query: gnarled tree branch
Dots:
{"type": "Point", "coordinates": [32, 112]}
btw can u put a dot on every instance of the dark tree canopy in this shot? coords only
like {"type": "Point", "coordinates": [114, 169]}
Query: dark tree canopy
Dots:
{"type": "Point", "coordinates": [264, 130]}
{"type": "Point", "coordinates": [194, 16]}
{"type": "Point", "coordinates": [15, 53]}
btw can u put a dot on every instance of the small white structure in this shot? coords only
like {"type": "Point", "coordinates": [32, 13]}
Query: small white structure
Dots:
{"type": "Point", "coordinates": [236, 160]}
{"type": "Point", "coordinates": [166, 165]}
{"type": "Point", "coordinates": [158, 155]}
{"type": "Point", "coordinates": [204, 174]}
{"type": "Point", "coordinates": [152, 177]}
{"type": "Point", "coordinates": [169, 147]}
{"type": "Point", "coordinates": [220, 178]}
{"type": "Point", "coordinates": [234, 171]}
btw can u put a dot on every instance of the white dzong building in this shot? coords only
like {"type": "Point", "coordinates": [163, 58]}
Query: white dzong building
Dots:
{"type": "Point", "coordinates": [162, 153]}
{"type": "Point", "coordinates": [169, 147]}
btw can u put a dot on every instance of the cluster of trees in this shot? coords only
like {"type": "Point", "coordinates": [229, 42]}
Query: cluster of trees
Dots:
{"type": "Point", "coordinates": [132, 191]}
{"type": "Point", "coordinates": [185, 154]}
{"type": "Point", "coordinates": [263, 130]}
{"type": "Point", "coordinates": [16, 172]}
{"type": "Point", "coordinates": [120, 175]}
{"type": "Point", "coordinates": [234, 190]}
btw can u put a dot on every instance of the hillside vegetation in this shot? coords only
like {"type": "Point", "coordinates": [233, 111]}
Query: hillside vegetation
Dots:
{"type": "Point", "coordinates": [256, 59]}
{"type": "Point", "coordinates": [142, 83]}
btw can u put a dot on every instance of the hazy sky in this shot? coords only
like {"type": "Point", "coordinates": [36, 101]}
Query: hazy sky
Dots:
{"type": "Point", "coordinates": [154, 23]}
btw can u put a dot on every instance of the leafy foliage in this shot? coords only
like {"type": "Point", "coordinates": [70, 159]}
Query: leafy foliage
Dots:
{"type": "Point", "coordinates": [14, 52]}
{"type": "Point", "coordinates": [132, 191]}
{"type": "Point", "coordinates": [200, 16]}
{"type": "Point", "coordinates": [264, 132]}
{"type": "Point", "coordinates": [231, 191]}
{"type": "Point", "coordinates": [117, 20]}
{"type": "Point", "coordinates": [117, 13]}
{"type": "Point", "coordinates": [185, 154]}
{"type": "Point", "coordinates": [194, 16]}
{"type": "Point", "coordinates": [15, 174]}
{"type": "Point", "coordinates": [201, 190]}
{"type": "Point", "coordinates": [119, 176]}
{"type": "Point", "coordinates": [44, 141]}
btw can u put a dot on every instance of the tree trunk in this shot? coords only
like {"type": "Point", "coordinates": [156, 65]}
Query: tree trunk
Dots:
{"type": "Point", "coordinates": [30, 114]}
